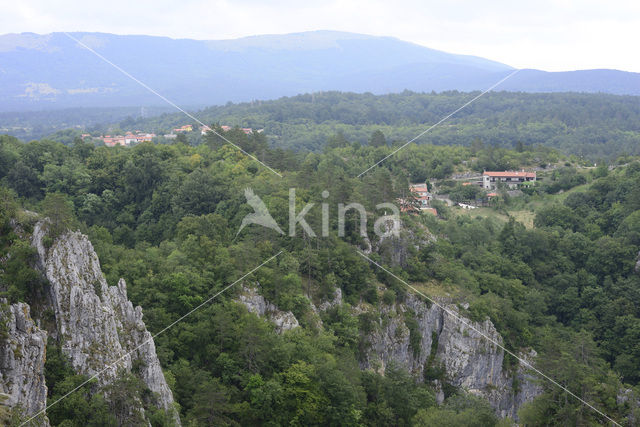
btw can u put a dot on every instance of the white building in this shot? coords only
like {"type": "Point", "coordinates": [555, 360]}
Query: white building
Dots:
{"type": "Point", "coordinates": [511, 179]}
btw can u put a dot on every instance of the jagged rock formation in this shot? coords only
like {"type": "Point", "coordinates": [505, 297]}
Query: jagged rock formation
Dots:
{"type": "Point", "coordinates": [255, 303]}
{"type": "Point", "coordinates": [22, 356]}
{"type": "Point", "coordinates": [395, 241]}
{"type": "Point", "coordinates": [337, 300]}
{"type": "Point", "coordinates": [469, 360]}
{"type": "Point", "coordinates": [629, 398]}
{"type": "Point", "coordinates": [96, 324]}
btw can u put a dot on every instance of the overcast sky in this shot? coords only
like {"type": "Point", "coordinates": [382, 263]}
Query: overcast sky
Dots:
{"type": "Point", "coordinates": [551, 35]}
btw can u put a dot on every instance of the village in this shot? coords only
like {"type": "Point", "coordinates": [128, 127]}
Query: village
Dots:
{"type": "Point", "coordinates": [136, 137]}
{"type": "Point", "coordinates": [489, 182]}
{"type": "Point", "coordinates": [422, 194]}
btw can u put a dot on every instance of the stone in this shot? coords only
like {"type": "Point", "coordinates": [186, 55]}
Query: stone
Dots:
{"type": "Point", "coordinates": [96, 324]}
{"type": "Point", "coordinates": [470, 361]}
{"type": "Point", "coordinates": [256, 304]}
{"type": "Point", "coordinates": [22, 356]}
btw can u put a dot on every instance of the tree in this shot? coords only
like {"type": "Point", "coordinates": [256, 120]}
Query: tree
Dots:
{"type": "Point", "coordinates": [199, 194]}
{"type": "Point", "coordinates": [377, 139]}
{"type": "Point", "coordinates": [59, 209]}
{"type": "Point", "coordinates": [337, 141]}
{"type": "Point", "coordinates": [8, 154]}
{"type": "Point", "coordinates": [24, 180]}
{"type": "Point", "coordinates": [459, 410]}
{"type": "Point", "coordinates": [557, 215]}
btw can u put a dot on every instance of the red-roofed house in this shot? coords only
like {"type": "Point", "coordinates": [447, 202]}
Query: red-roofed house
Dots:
{"type": "Point", "coordinates": [421, 194]}
{"type": "Point", "coordinates": [511, 179]}
{"type": "Point", "coordinates": [113, 141]}
{"type": "Point", "coordinates": [185, 128]}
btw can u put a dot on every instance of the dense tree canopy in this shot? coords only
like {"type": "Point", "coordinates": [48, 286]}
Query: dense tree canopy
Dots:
{"type": "Point", "coordinates": [165, 217]}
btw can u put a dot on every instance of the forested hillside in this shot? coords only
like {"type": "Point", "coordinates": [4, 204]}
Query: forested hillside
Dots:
{"type": "Point", "coordinates": [592, 126]}
{"type": "Point", "coordinates": [166, 218]}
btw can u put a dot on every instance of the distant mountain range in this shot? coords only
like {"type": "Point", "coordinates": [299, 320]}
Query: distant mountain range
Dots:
{"type": "Point", "coordinates": [53, 71]}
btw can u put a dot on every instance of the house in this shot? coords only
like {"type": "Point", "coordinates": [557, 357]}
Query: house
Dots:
{"type": "Point", "coordinates": [185, 128]}
{"type": "Point", "coordinates": [421, 194]}
{"type": "Point", "coordinates": [128, 139]}
{"type": "Point", "coordinates": [145, 137]}
{"type": "Point", "coordinates": [407, 207]}
{"type": "Point", "coordinates": [204, 129]}
{"type": "Point", "coordinates": [512, 179]}
{"type": "Point", "coordinates": [112, 141]}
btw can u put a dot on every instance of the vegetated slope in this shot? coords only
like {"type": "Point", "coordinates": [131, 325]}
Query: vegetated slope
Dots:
{"type": "Point", "coordinates": [592, 126]}
{"type": "Point", "coordinates": [165, 217]}
{"type": "Point", "coordinates": [71, 330]}
{"type": "Point", "coordinates": [586, 125]}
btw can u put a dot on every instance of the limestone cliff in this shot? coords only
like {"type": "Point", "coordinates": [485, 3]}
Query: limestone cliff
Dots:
{"type": "Point", "coordinates": [96, 324]}
{"type": "Point", "coordinates": [467, 360]}
{"type": "Point", "coordinates": [255, 303]}
{"type": "Point", "coordinates": [22, 356]}
{"type": "Point", "coordinates": [441, 343]}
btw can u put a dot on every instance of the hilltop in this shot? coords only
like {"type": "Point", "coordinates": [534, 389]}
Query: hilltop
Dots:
{"type": "Point", "coordinates": [52, 71]}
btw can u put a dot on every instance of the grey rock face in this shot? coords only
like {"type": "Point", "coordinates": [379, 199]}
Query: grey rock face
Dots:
{"type": "Point", "coordinates": [470, 361]}
{"type": "Point", "coordinates": [394, 246]}
{"type": "Point", "coordinates": [97, 325]}
{"type": "Point", "coordinates": [255, 303]}
{"type": "Point", "coordinates": [22, 356]}
{"type": "Point", "coordinates": [337, 300]}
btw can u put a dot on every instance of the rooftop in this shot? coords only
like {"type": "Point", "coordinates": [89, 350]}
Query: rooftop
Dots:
{"type": "Point", "coordinates": [516, 174]}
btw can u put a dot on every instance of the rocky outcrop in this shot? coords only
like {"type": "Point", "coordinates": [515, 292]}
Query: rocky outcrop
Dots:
{"type": "Point", "coordinates": [255, 303]}
{"type": "Point", "coordinates": [337, 300]}
{"type": "Point", "coordinates": [630, 400]}
{"type": "Point", "coordinates": [96, 324]}
{"type": "Point", "coordinates": [467, 359]}
{"type": "Point", "coordinates": [22, 356]}
{"type": "Point", "coordinates": [395, 242]}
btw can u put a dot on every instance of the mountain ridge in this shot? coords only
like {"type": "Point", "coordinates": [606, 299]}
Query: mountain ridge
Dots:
{"type": "Point", "coordinates": [53, 71]}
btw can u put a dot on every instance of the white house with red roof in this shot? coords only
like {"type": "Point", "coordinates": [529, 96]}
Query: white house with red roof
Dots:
{"type": "Point", "coordinates": [511, 179]}
{"type": "Point", "coordinates": [421, 194]}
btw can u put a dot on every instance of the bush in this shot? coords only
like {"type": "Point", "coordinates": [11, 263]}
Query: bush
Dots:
{"type": "Point", "coordinates": [389, 297]}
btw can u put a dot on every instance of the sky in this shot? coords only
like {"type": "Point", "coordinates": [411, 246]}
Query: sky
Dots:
{"type": "Point", "coordinates": [552, 35]}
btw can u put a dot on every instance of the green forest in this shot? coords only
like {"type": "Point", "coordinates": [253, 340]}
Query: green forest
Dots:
{"type": "Point", "coordinates": [590, 126]}
{"type": "Point", "coordinates": [553, 268]}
